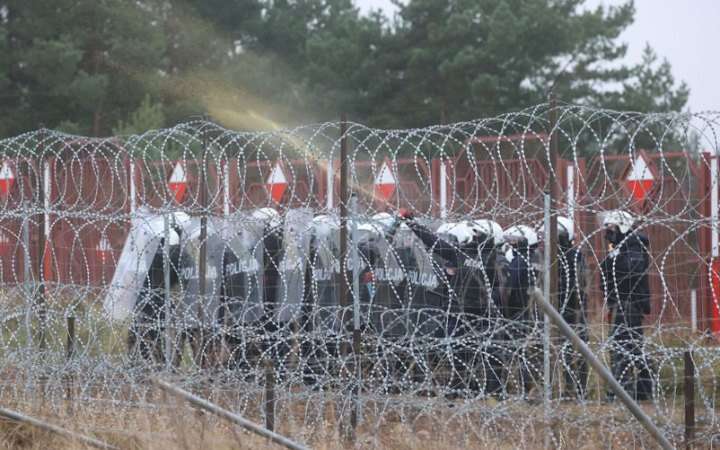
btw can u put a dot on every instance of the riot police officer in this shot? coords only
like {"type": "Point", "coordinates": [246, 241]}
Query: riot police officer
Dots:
{"type": "Point", "coordinates": [626, 288]}
{"type": "Point", "coordinates": [573, 305]}
{"type": "Point", "coordinates": [467, 257]}
{"type": "Point", "coordinates": [386, 258]}
{"type": "Point", "coordinates": [520, 309]}
{"type": "Point", "coordinates": [321, 323]}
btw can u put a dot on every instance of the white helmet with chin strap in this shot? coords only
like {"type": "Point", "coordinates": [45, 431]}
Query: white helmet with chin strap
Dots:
{"type": "Point", "coordinates": [622, 219]}
{"type": "Point", "coordinates": [489, 228]}
{"type": "Point", "coordinates": [383, 220]}
{"type": "Point", "coordinates": [268, 215]}
{"type": "Point", "coordinates": [458, 230]}
{"type": "Point", "coordinates": [520, 232]}
{"type": "Point", "coordinates": [446, 227]}
{"type": "Point", "coordinates": [462, 232]}
{"type": "Point", "coordinates": [323, 225]}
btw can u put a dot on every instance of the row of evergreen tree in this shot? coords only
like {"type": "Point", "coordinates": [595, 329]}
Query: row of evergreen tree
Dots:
{"type": "Point", "coordinates": [100, 67]}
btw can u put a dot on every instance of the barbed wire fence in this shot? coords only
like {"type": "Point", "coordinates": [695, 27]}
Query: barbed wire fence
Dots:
{"type": "Point", "coordinates": [287, 276]}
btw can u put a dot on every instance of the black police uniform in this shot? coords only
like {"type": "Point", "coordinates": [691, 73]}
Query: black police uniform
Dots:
{"type": "Point", "coordinates": [519, 311]}
{"type": "Point", "coordinates": [573, 307]}
{"type": "Point", "coordinates": [626, 287]}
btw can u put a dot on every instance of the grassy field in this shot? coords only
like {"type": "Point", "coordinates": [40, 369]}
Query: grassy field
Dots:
{"type": "Point", "coordinates": [436, 425]}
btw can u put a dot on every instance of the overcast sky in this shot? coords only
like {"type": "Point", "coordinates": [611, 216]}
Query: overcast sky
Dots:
{"type": "Point", "coordinates": [686, 32]}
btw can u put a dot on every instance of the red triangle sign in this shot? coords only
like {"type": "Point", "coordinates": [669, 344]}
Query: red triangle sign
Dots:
{"type": "Point", "coordinates": [385, 183]}
{"type": "Point", "coordinates": [640, 179]}
{"type": "Point", "coordinates": [178, 182]}
{"type": "Point", "coordinates": [277, 183]}
{"type": "Point", "coordinates": [7, 179]}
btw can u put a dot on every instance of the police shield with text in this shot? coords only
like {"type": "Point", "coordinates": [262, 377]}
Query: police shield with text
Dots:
{"type": "Point", "coordinates": [321, 323]}
{"type": "Point", "coordinates": [196, 314]}
{"type": "Point", "coordinates": [626, 288]}
{"type": "Point", "coordinates": [242, 295]}
{"type": "Point", "coordinates": [386, 260]}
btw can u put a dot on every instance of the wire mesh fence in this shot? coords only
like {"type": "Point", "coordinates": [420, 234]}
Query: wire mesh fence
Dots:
{"type": "Point", "coordinates": [372, 278]}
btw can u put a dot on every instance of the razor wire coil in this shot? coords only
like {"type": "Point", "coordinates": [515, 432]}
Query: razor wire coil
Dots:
{"type": "Point", "coordinates": [430, 348]}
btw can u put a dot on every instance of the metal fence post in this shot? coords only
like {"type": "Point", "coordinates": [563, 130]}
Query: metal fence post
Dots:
{"type": "Point", "coordinates": [344, 272]}
{"type": "Point", "coordinates": [551, 239]}
{"type": "Point", "coordinates": [28, 281]}
{"type": "Point", "coordinates": [269, 394]}
{"type": "Point", "coordinates": [547, 394]}
{"type": "Point", "coordinates": [689, 399]}
{"type": "Point", "coordinates": [70, 353]}
{"type": "Point", "coordinates": [167, 310]}
{"type": "Point", "coordinates": [357, 407]}
{"type": "Point", "coordinates": [41, 244]}
{"type": "Point", "coordinates": [202, 344]}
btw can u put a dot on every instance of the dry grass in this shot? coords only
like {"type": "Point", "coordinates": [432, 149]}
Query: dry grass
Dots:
{"type": "Point", "coordinates": [177, 426]}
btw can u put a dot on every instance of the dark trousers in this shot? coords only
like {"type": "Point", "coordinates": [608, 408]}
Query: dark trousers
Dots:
{"type": "Point", "coordinates": [476, 361]}
{"type": "Point", "coordinates": [145, 341]}
{"type": "Point", "coordinates": [630, 365]}
{"type": "Point", "coordinates": [146, 336]}
{"type": "Point", "coordinates": [205, 345]}
{"type": "Point", "coordinates": [524, 347]}
{"type": "Point", "coordinates": [575, 368]}
{"type": "Point", "coordinates": [244, 347]}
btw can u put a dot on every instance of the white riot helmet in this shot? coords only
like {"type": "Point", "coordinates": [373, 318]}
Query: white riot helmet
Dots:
{"type": "Point", "coordinates": [462, 232]}
{"type": "Point", "coordinates": [622, 219]}
{"type": "Point", "coordinates": [489, 228]}
{"type": "Point", "coordinates": [323, 225]}
{"type": "Point", "coordinates": [565, 225]}
{"type": "Point", "coordinates": [446, 227]}
{"type": "Point", "coordinates": [268, 215]}
{"type": "Point", "coordinates": [520, 232]}
{"type": "Point", "coordinates": [156, 226]}
{"type": "Point", "coordinates": [368, 227]}
{"type": "Point", "coordinates": [384, 221]}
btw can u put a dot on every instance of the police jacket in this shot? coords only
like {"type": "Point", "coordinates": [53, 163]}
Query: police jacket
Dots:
{"type": "Point", "coordinates": [469, 270]}
{"type": "Point", "coordinates": [519, 281]}
{"type": "Point", "coordinates": [571, 284]}
{"type": "Point", "coordinates": [625, 275]}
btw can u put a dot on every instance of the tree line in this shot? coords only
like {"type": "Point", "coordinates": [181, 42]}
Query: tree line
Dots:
{"type": "Point", "coordinates": [102, 67]}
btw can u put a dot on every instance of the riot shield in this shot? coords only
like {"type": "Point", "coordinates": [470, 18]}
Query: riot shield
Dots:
{"type": "Point", "coordinates": [140, 248]}
{"type": "Point", "coordinates": [325, 282]}
{"type": "Point", "coordinates": [296, 246]}
{"type": "Point", "coordinates": [427, 296]}
{"type": "Point", "coordinates": [242, 273]}
{"type": "Point", "coordinates": [382, 287]}
{"type": "Point", "coordinates": [196, 310]}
